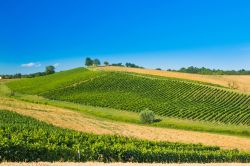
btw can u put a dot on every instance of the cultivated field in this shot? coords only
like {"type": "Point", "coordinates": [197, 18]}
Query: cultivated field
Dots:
{"type": "Point", "coordinates": [92, 110]}
{"type": "Point", "coordinates": [242, 81]}
{"type": "Point", "coordinates": [33, 140]}
{"type": "Point", "coordinates": [166, 97]}
{"type": "Point", "coordinates": [82, 122]}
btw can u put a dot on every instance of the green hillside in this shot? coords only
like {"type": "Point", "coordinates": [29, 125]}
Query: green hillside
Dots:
{"type": "Point", "coordinates": [54, 81]}
{"type": "Point", "coordinates": [26, 139]}
{"type": "Point", "coordinates": [165, 96]}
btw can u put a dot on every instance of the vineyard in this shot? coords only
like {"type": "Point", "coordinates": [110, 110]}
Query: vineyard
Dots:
{"type": "Point", "coordinates": [25, 139]}
{"type": "Point", "coordinates": [166, 97]}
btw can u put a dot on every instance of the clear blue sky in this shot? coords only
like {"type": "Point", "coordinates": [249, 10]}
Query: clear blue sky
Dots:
{"type": "Point", "coordinates": [151, 33]}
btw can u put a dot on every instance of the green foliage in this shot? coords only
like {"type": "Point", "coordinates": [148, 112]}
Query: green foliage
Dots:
{"type": "Point", "coordinates": [165, 97]}
{"type": "Point", "coordinates": [132, 65]}
{"type": "Point", "coordinates": [19, 75]}
{"type": "Point", "coordinates": [204, 70]}
{"type": "Point", "coordinates": [49, 70]}
{"type": "Point", "coordinates": [147, 116]}
{"type": "Point", "coordinates": [88, 62]}
{"type": "Point", "coordinates": [106, 63]}
{"type": "Point", "coordinates": [96, 62]}
{"type": "Point", "coordinates": [117, 64]}
{"type": "Point", "coordinates": [25, 139]}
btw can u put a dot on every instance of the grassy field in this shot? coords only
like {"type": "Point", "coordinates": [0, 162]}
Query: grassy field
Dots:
{"type": "Point", "coordinates": [55, 81]}
{"type": "Point", "coordinates": [166, 97]}
{"type": "Point", "coordinates": [242, 81]}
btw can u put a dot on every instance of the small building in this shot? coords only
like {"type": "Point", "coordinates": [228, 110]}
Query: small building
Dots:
{"type": "Point", "coordinates": [0, 78]}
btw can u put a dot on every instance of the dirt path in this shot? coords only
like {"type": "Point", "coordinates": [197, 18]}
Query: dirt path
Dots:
{"type": "Point", "coordinates": [116, 164]}
{"type": "Point", "coordinates": [242, 81]}
{"type": "Point", "coordinates": [80, 122]}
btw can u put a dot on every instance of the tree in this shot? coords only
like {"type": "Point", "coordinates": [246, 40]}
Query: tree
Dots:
{"type": "Point", "coordinates": [117, 64]}
{"type": "Point", "coordinates": [106, 63]}
{"type": "Point", "coordinates": [18, 75]}
{"type": "Point", "coordinates": [132, 65]}
{"type": "Point", "coordinates": [88, 62]}
{"type": "Point", "coordinates": [49, 70]}
{"type": "Point", "coordinates": [96, 62]}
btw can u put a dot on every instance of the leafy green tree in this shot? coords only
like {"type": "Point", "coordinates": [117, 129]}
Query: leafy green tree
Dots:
{"type": "Point", "coordinates": [147, 116]}
{"type": "Point", "coordinates": [106, 63]}
{"type": "Point", "coordinates": [117, 64]}
{"type": "Point", "coordinates": [96, 62]}
{"type": "Point", "coordinates": [88, 62]}
{"type": "Point", "coordinates": [50, 70]}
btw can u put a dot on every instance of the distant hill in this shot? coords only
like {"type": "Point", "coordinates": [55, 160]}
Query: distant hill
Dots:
{"type": "Point", "coordinates": [238, 82]}
{"type": "Point", "coordinates": [168, 97]}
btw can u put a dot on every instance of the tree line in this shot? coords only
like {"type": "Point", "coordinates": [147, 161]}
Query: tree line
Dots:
{"type": "Point", "coordinates": [97, 62]}
{"type": "Point", "coordinates": [208, 71]}
{"type": "Point", "coordinates": [48, 70]}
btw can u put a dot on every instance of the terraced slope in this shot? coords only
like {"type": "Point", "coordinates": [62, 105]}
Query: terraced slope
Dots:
{"type": "Point", "coordinates": [32, 140]}
{"type": "Point", "coordinates": [166, 97]}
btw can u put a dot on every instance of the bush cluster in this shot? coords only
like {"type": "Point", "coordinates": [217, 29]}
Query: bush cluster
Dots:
{"type": "Point", "coordinates": [147, 116]}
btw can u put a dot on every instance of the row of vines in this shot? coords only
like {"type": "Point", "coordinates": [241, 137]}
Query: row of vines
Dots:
{"type": "Point", "coordinates": [166, 97]}
{"type": "Point", "coordinates": [26, 139]}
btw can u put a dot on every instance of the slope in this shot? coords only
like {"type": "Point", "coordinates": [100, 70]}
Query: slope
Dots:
{"type": "Point", "coordinates": [54, 81]}
{"type": "Point", "coordinates": [165, 96]}
{"type": "Point", "coordinates": [80, 121]}
{"type": "Point", "coordinates": [242, 81]}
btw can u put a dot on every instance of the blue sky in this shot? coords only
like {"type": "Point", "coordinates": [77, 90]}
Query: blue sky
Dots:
{"type": "Point", "coordinates": [151, 33]}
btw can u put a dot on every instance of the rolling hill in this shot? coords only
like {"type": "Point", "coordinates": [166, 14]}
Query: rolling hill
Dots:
{"type": "Point", "coordinates": [167, 97]}
{"type": "Point", "coordinates": [82, 101]}
{"type": "Point", "coordinates": [242, 81]}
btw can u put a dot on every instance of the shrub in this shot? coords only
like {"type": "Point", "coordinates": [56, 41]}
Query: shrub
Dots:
{"type": "Point", "coordinates": [147, 116]}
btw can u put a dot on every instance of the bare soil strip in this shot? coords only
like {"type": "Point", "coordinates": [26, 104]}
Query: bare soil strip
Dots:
{"type": "Point", "coordinates": [80, 122]}
{"type": "Point", "coordinates": [117, 164]}
{"type": "Point", "coordinates": [242, 81]}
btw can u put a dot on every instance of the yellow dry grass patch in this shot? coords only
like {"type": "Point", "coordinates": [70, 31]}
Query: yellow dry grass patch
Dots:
{"type": "Point", "coordinates": [117, 164]}
{"type": "Point", "coordinates": [242, 81]}
{"type": "Point", "coordinates": [81, 122]}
